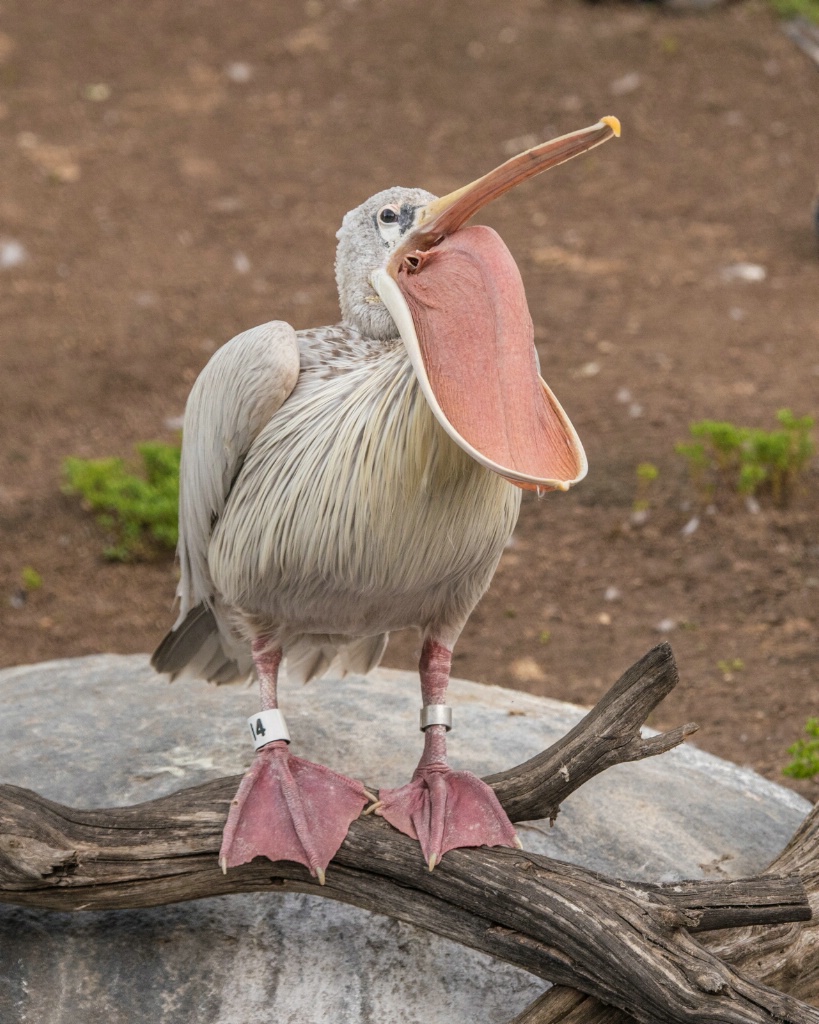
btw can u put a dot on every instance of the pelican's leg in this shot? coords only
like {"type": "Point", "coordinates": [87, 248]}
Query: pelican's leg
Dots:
{"type": "Point", "coordinates": [441, 808]}
{"type": "Point", "coordinates": [287, 808]}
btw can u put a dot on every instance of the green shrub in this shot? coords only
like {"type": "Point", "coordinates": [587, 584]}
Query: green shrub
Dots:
{"type": "Point", "coordinates": [805, 753]}
{"type": "Point", "coordinates": [140, 511]}
{"type": "Point", "coordinates": [749, 461]}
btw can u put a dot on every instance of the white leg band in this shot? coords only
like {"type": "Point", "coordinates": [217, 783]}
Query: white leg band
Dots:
{"type": "Point", "coordinates": [268, 726]}
{"type": "Point", "coordinates": [436, 714]}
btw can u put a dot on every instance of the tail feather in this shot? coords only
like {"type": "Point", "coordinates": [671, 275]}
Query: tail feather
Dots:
{"type": "Point", "coordinates": [198, 647]}
{"type": "Point", "coordinates": [308, 658]}
{"type": "Point", "coordinates": [361, 656]}
{"type": "Point", "coordinates": [312, 654]}
{"type": "Point", "coordinates": [203, 647]}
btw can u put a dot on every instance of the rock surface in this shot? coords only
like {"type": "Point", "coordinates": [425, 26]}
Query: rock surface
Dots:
{"type": "Point", "coordinates": [105, 730]}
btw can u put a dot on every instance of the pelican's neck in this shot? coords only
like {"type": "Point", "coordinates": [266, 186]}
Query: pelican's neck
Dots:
{"type": "Point", "coordinates": [340, 348]}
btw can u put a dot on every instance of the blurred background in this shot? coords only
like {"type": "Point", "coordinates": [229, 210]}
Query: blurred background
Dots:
{"type": "Point", "coordinates": [173, 173]}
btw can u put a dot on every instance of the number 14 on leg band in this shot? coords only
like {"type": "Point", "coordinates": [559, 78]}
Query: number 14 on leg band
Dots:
{"type": "Point", "coordinates": [267, 727]}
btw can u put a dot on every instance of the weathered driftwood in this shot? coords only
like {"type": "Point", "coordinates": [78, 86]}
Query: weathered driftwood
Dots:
{"type": "Point", "coordinates": [786, 956]}
{"type": "Point", "coordinates": [626, 944]}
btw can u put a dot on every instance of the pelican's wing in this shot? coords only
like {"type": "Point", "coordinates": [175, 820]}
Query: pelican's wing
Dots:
{"type": "Point", "coordinates": [233, 398]}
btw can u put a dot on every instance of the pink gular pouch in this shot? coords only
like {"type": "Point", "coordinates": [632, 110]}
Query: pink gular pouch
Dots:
{"type": "Point", "coordinates": [470, 338]}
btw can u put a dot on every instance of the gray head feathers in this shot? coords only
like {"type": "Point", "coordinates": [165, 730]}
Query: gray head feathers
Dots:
{"type": "Point", "coordinates": [363, 246]}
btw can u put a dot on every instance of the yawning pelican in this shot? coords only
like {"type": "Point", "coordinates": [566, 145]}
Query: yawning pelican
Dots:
{"type": "Point", "coordinates": [343, 482]}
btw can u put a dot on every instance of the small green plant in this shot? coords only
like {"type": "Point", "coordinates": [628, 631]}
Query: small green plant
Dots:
{"type": "Point", "coordinates": [646, 474]}
{"type": "Point", "coordinates": [31, 579]}
{"type": "Point", "coordinates": [730, 666]}
{"type": "Point", "coordinates": [140, 511]}
{"type": "Point", "coordinates": [749, 461]}
{"type": "Point", "coordinates": [805, 754]}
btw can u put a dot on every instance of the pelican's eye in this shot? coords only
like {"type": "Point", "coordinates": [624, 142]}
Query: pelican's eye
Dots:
{"type": "Point", "coordinates": [388, 223]}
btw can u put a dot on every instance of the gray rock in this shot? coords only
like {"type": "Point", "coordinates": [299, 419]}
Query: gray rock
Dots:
{"type": "Point", "coordinates": [105, 731]}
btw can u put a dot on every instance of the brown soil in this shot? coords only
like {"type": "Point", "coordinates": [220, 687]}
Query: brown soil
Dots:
{"type": "Point", "coordinates": [176, 173]}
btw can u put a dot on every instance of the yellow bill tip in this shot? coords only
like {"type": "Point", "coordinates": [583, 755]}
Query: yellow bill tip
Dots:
{"type": "Point", "coordinates": [613, 123]}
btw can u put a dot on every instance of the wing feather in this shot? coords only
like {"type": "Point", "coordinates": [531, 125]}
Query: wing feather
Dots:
{"type": "Point", "coordinates": [243, 385]}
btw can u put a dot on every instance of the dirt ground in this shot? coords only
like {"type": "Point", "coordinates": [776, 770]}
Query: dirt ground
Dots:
{"type": "Point", "coordinates": [174, 173]}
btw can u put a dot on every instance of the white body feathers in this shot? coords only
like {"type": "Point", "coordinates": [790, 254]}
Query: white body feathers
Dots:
{"type": "Point", "coordinates": [322, 505]}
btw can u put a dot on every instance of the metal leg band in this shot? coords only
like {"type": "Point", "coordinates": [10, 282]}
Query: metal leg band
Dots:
{"type": "Point", "coordinates": [436, 714]}
{"type": "Point", "coordinates": [267, 727]}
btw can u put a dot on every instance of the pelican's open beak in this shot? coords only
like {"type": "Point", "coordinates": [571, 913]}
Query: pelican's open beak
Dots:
{"type": "Point", "coordinates": [457, 299]}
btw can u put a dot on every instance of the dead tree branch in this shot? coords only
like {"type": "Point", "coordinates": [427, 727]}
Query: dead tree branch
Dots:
{"type": "Point", "coordinates": [608, 735]}
{"type": "Point", "coordinates": [786, 956]}
{"type": "Point", "coordinates": [624, 943]}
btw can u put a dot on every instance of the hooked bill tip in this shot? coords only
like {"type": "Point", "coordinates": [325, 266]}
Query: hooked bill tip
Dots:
{"type": "Point", "coordinates": [613, 123]}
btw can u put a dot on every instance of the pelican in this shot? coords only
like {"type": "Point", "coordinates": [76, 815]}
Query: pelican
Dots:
{"type": "Point", "coordinates": [346, 481]}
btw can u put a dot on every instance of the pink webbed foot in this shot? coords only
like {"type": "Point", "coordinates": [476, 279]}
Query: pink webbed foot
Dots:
{"type": "Point", "coordinates": [287, 808]}
{"type": "Point", "coordinates": [444, 810]}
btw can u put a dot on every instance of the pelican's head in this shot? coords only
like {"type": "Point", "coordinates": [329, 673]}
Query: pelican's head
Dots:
{"type": "Point", "coordinates": [408, 265]}
{"type": "Point", "coordinates": [367, 238]}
